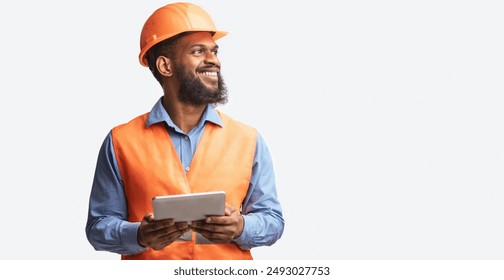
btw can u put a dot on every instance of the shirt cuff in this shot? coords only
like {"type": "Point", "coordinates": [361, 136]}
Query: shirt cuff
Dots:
{"type": "Point", "coordinates": [129, 233]}
{"type": "Point", "coordinates": [249, 232]}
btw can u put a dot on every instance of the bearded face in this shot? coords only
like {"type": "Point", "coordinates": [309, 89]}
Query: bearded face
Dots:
{"type": "Point", "coordinates": [194, 91]}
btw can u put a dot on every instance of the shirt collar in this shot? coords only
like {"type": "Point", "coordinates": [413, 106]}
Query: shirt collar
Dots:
{"type": "Point", "coordinates": [159, 114]}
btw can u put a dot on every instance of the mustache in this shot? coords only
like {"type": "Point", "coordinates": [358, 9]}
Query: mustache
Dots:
{"type": "Point", "coordinates": [208, 68]}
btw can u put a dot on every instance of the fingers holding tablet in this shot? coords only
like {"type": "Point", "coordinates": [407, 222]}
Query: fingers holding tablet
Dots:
{"type": "Point", "coordinates": [159, 234]}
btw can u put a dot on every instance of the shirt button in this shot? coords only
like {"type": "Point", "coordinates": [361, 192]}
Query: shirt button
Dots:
{"type": "Point", "coordinates": [186, 138]}
{"type": "Point", "coordinates": [187, 169]}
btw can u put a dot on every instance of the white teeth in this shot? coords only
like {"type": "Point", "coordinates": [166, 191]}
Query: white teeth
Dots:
{"type": "Point", "coordinates": [210, 74]}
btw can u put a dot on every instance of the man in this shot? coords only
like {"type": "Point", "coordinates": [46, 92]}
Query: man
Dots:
{"type": "Point", "coordinates": [183, 145]}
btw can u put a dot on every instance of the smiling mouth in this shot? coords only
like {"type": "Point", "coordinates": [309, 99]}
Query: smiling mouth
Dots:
{"type": "Point", "coordinates": [208, 74]}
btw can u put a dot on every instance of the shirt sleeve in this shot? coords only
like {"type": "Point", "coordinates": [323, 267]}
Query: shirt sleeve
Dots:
{"type": "Point", "coordinates": [261, 210]}
{"type": "Point", "coordinates": [107, 227]}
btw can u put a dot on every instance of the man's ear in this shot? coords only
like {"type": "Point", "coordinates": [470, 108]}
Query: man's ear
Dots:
{"type": "Point", "coordinates": [164, 66]}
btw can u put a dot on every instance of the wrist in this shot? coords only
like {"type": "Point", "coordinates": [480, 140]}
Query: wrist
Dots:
{"type": "Point", "coordinates": [140, 239]}
{"type": "Point", "coordinates": [240, 228]}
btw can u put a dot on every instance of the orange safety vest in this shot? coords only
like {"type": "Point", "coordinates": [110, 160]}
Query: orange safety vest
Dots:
{"type": "Point", "coordinates": [150, 166]}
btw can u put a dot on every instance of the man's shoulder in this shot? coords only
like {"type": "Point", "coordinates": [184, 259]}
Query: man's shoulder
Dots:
{"type": "Point", "coordinates": [133, 123]}
{"type": "Point", "coordinates": [237, 125]}
{"type": "Point", "coordinates": [231, 120]}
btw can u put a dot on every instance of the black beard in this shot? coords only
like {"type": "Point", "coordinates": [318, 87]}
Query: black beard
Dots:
{"type": "Point", "coordinates": [193, 91]}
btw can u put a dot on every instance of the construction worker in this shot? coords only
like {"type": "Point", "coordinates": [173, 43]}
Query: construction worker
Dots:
{"type": "Point", "coordinates": [183, 145]}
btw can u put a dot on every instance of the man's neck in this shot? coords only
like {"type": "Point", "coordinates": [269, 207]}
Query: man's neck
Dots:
{"type": "Point", "coordinates": [184, 116]}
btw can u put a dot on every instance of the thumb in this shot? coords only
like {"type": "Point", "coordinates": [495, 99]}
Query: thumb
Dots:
{"type": "Point", "coordinates": [149, 217]}
{"type": "Point", "coordinates": [229, 210]}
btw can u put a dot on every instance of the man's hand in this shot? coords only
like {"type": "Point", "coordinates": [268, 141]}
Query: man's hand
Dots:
{"type": "Point", "coordinates": [159, 234]}
{"type": "Point", "coordinates": [221, 229]}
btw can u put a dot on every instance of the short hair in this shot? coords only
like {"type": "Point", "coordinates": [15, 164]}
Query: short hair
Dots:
{"type": "Point", "coordinates": [163, 48]}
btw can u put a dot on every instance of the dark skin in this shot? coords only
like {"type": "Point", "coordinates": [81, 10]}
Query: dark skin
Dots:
{"type": "Point", "coordinates": [197, 53]}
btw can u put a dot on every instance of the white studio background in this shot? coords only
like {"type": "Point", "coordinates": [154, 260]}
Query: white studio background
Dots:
{"type": "Point", "coordinates": [384, 120]}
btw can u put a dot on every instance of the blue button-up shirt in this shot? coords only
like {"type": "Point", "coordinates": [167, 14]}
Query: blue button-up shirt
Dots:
{"type": "Point", "coordinates": [108, 228]}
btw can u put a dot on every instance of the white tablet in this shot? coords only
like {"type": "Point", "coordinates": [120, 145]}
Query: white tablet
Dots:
{"type": "Point", "coordinates": [189, 207]}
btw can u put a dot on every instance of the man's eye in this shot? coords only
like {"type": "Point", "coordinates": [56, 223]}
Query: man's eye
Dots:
{"type": "Point", "coordinates": [197, 51]}
{"type": "Point", "coordinates": [215, 52]}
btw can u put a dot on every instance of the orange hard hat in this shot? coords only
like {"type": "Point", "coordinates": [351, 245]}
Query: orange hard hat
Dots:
{"type": "Point", "coordinates": [171, 20]}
